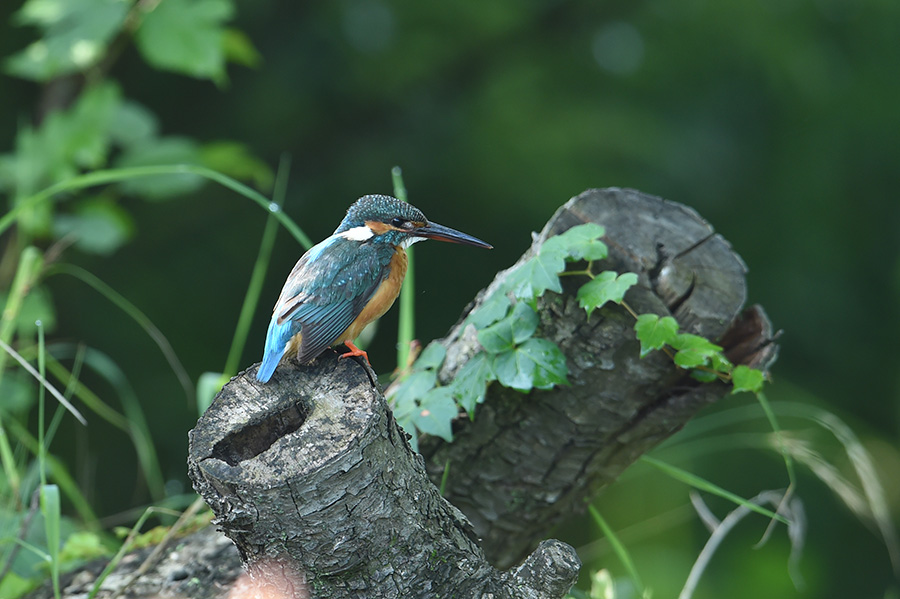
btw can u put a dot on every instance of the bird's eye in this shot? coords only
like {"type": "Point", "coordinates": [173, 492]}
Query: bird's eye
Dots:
{"type": "Point", "coordinates": [400, 223]}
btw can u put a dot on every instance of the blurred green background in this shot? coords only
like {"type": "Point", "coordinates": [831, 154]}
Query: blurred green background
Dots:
{"type": "Point", "coordinates": [778, 121]}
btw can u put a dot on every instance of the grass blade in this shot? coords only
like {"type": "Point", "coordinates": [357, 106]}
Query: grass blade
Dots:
{"type": "Point", "coordinates": [103, 177]}
{"type": "Point", "coordinates": [257, 276]}
{"type": "Point", "coordinates": [704, 485]}
{"type": "Point", "coordinates": [136, 426]}
{"type": "Point", "coordinates": [50, 508]}
{"type": "Point", "coordinates": [407, 319]}
{"type": "Point", "coordinates": [30, 370]}
{"type": "Point", "coordinates": [135, 313]}
{"type": "Point", "coordinates": [618, 548]}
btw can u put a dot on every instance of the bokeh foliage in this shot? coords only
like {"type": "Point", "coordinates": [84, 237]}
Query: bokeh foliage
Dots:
{"type": "Point", "coordinates": [777, 121]}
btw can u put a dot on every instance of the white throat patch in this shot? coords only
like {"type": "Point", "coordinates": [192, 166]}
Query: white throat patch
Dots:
{"type": "Point", "coordinates": [362, 233]}
{"type": "Point", "coordinates": [410, 240]}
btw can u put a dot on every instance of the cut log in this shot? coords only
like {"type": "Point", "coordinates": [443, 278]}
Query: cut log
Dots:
{"type": "Point", "coordinates": [527, 462]}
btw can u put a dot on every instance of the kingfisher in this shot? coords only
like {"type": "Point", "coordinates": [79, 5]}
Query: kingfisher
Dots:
{"type": "Point", "coordinates": [348, 280]}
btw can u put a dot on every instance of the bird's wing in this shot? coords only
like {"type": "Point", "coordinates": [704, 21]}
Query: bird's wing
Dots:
{"type": "Point", "coordinates": [325, 294]}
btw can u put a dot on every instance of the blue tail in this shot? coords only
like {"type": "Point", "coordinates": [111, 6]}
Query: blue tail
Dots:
{"type": "Point", "coordinates": [277, 338]}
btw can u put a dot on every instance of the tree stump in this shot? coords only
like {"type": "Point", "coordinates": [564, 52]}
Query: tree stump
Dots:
{"type": "Point", "coordinates": [316, 484]}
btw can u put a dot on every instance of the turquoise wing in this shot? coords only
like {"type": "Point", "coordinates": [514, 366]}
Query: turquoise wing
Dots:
{"type": "Point", "coordinates": [325, 292]}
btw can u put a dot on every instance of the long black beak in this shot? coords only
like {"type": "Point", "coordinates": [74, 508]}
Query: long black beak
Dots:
{"type": "Point", "coordinates": [442, 233]}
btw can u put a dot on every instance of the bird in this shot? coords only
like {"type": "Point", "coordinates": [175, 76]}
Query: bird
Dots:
{"type": "Point", "coordinates": [348, 280]}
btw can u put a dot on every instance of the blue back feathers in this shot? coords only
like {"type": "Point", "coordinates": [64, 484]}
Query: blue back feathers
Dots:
{"type": "Point", "coordinates": [277, 338]}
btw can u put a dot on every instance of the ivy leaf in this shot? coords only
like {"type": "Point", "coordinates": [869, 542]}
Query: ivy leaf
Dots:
{"type": "Point", "coordinates": [608, 286]}
{"type": "Point", "coordinates": [550, 367]}
{"type": "Point", "coordinates": [435, 413]}
{"type": "Point", "coordinates": [654, 332]}
{"type": "Point", "coordinates": [404, 397]}
{"type": "Point", "coordinates": [431, 357]}
{"type": "Point", "coordinates": [745, 378]}
{"type": "Point", "coordinates": [470, 384]}
{"type": "Point", "coordinates": [514, 370]}
{"type": "Point", "coordinates": [186, 36]}
{"type": "Point", "coordinates": [536, 363]}
{"type": "Point", "coordinates": [491, 310]}
{"type": "Point", "coordinates": [704, 376]}
{"type": "Point", "coordinates": [515, 328]}
{"type": "Point", "coordinates": [578, 243]}
{"type": "Point", "coordinates": [538, 274]}
{"type": "Point", "coordinates": [720, 363]}
{"type": "Point", "coordinates": [693, 350]}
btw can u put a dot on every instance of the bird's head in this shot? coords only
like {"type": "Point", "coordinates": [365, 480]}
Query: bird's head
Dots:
{"type": "Point", "coordinates": [383, 219]}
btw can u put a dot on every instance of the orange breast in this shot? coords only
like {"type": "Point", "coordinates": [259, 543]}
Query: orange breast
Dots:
{"type": "Point", "coordinates": [383, 298]}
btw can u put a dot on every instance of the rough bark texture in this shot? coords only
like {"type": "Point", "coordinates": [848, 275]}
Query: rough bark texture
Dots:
{"type": "Point", "coordinates": [314, 482]}
{"type": "Point", "coordinates": [528, 461]}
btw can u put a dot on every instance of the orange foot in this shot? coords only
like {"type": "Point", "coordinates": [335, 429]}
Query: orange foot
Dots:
{"type": "Point", "coordinates": [354, 351]}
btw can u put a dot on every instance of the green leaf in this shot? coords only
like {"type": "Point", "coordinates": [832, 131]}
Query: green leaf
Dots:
{"type": "Point", "coordinates": [18, 392]}
{"type": "Point", "coordinates": [436, 412]}
{"type": "Point", "coordinates": [720, 363]}
{"type": "Point", "coordinates": [50, 509]}
{"type": "Point", "coordinates": [608, 286]}
{"type": "Point", "coordinates": [76, 36]}
{"type": "Point", "coordinates": [538, 274]}
{"type": "Point", "coordinates": [239, 49]}
{"type": "Point", "coordinates": [549, 361]}
{"type": "Point", "coordinates": [745, 378]}
{"type": "Point", "coordinates": [693, 350]}
{"type": "Point", "coordinates": [36, 305]}
{"type": "Point", "coordinates": [404, 397]}
{"type": "Point", "coordinates": [578, 243]}
{"type": "Point", "coordinates": [80, 547]}
{"type": "Point", "coordinates": [208, 385]}
{"type": "Point", "coordinates": [133, 124]}
{"type": "Point", "coordinates": [235, 160]}
{"type": "Point", "coordinates": [13, 585]}
{"type": "Point", "coordinates": [431, 357]}
{"type": "Point", "coordinates": [471, 381]}
{"type": "Point", "coordinates": [654, 332]}
{"type": "Point", "coordinates": [186, 36]}
{"type": "Point", "coordinates": [491, 310]}
{"type": "Point", "coordinates": [514, 370]}
{"type": "Point", "coordinates": [704, 376]}
{"type": "Point", "coordinates": [536, 363]}
{"type": "Point", "coordinates": [67, 141]}
{"type": "Point", "coordinates": [518, 326]}
{"type": "Point", "coordinates": [98, 226]}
